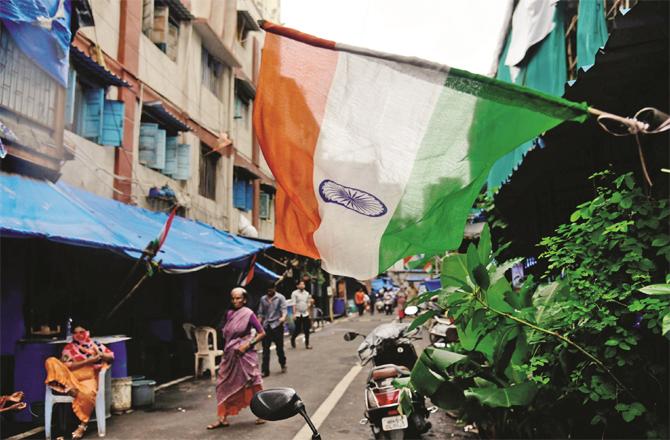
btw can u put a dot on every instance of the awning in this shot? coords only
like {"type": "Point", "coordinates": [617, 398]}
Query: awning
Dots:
{"type": "Point", "coordinates": [177, 9]}
{"type": "Point", "coordinates": [159, 114]}
{"type": "Point", "coordinates": [62, 213]}
{"type": "Point", "coordinates": [88, 68]}
{"type": "Point", "coordinates": [264, 273]}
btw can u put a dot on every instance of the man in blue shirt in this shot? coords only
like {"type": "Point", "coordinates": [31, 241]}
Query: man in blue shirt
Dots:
{"type": "Point", "coordinates": [272, 314]}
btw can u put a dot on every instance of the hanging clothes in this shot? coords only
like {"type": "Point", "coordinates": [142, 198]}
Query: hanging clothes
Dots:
{"type": "Point", "coordinates": [544, 68]}
{"type": "Point", "coordinates": [591, 31]}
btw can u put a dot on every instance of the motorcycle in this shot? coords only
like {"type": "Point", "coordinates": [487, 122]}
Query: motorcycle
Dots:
{"type": "Point", "coordinates": [389, 348]}
{"type": "Point", "coordinates": [441, 330]}
{"type": "Point", "coordinates": [279, 404]}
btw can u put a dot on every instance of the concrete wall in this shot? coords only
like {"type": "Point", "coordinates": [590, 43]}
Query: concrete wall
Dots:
{"type": "Point", "coordinates": [107, 14]}
{"type": "Point", "coordinates": [92, 167]}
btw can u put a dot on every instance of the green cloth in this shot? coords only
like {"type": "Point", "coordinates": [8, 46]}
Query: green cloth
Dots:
{"type": "Point", "coordinates": [591, 31]}
{"type": "Point", "coordinates": [545, 69]}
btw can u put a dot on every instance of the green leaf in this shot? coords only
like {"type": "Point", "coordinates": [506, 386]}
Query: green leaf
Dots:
{"type": "Point", "coordinates": [448, 397]}
{"type": "Point", "coordinates": [519, 357]}
{"type": "Point", "coordinates": [661, 241]}
{"type": "Point", "coordinates": [424, 297]}
{"type": "Point", "coordinates": [656, 289]}
{"type": "Point", "coordinates": [422, 319]}
{"type": "Point", "coordinates": [401, 382]}
{"type": "Point", "coordinates": [515, 395]}
{"type": "Point", "coordinates": [442, 359]}
{"type": "Point", "coordinates": [469, 335]}
{"type": "Point", "coordinates": [666, 324]}
{"type": "Point", "coordinates": [425, 380]}
{"type": "Point", "coordinates": [484, 247]}
{"type": "Point", "coordinates": [495, 296]}
{"type": "Point", "coordinates": [626, 203]}
{"type": "Point", "coordinates": [481, 277]}
{"type": "Point", "coordinates": [575, 216]}
{"type": "Point", "coordinates": [405, 406]}
{"type": "Point", "coordinates": [630, 412]}
{"type": "Point", "coordinates": [472, 258]}
{"type": "Point", "coordinates": [454, 270]}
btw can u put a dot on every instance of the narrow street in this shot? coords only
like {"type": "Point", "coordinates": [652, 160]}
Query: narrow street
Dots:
{"type": "Point", "coordinates": [183, 411]}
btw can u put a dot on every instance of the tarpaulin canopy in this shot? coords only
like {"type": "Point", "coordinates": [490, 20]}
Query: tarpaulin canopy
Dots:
{"type": "Point", "coordinates": [41, 29]}
{"type": "Point", "coordinates": [264, 273]}
{"type": "Point", "coordinates": [62, 213]}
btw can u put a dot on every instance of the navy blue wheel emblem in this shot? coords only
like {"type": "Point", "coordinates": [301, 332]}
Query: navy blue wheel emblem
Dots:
{"type": "Point", "coordinates": [353, 199]}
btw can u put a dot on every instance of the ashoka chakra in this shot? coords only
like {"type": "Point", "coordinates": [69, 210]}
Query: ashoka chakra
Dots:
{"type": "Point", "coordinates": [354, 199]}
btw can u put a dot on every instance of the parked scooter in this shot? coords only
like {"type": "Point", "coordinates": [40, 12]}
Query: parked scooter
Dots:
{"type": "Point", "coordinates": [441, 330]}
{"type": "Point", "coordinates": [390, 349]}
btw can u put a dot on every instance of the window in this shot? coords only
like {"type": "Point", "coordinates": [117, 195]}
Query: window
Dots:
{"type": "Point", "coordinates": [212, 73]}
{"type": "Point", "coordinates": [161, 24]}
{"type": "Point", "coordinates": [265, 200]}
{"type": "Point", "coordinates": [241, 108]}
{"type": "Point", "coordinates": [25, 89]}
{"type": "Point", "coordinates": [162, 152]}
{"type": "Point", "coordinates": [243, 192]}
{"type": "Point", "coordinates": [90, 115]}
{"type": "Point", "coordinates": [208, 164]}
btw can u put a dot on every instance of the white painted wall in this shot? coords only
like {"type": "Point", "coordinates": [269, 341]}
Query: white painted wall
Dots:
{"type": "Point", "coordinates": [107, 15]}
{"type": "Point", "coordinates": [92, 167]}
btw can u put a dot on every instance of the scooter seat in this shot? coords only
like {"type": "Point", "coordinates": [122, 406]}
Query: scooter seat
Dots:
{"type": "Point", "coordinates": [388, 372]}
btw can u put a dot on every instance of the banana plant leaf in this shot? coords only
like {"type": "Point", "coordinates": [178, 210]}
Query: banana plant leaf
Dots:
{"type": "Point", "coordinates": [515, 395]}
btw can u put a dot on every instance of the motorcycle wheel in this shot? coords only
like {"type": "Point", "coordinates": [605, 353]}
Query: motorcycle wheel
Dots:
{"type": "Point", "coordinates": [398, 434]}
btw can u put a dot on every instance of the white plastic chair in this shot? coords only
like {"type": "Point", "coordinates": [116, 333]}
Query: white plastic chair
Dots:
{"type": "Point", "coordinates": [50, 399]}
{"type": "Point", "coordinates": [188, 329]}
{"type": "Point", "coordinates": [207, 351]}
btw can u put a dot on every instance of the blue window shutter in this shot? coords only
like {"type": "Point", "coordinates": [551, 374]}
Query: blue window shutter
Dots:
{"type": "Point", "coordinates": [183, 162]}
{"type": "Point", "coordinates": [69, 97]}
{"type": "Point", "coordinates": [93, 107]}
{"type": "Point", "coordinates": [147, 147]}
{"type": "Point", "coordinates": [112, 123]}
{"type": "Point", "coordinates": [239, 197]}
{"type": "Point", "coordinates": [159, 142]}
{"type": "Point", "coordinates": [170, 155]}
{"type": "Point", "coordinates": [250, 195]}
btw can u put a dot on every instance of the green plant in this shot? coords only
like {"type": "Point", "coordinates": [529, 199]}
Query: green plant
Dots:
{"type": "Point", "coordinates": [582, 356]}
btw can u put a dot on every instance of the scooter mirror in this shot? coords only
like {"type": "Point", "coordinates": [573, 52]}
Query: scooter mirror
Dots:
{"type": "Point", "coordinates": [349, 336]}
{"type": "Point", "coordinates": [411, 310]}
{"type": "Point", "coordinates": [276, 404]}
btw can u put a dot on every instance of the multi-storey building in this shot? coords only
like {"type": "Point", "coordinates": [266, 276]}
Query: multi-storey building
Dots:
{"type": "Point", "coordinates": [157, 110]}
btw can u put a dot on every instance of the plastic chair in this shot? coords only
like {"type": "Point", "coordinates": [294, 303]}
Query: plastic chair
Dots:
{"type": "Point", "coordinates": [50, 399]}
{"type": "Point", "coordinates": [207, 351]}
{"type": "Point", "coordinates": [188, 329]}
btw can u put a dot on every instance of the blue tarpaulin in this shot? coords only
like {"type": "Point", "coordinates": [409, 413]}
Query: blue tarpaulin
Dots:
{"type": "Point", "coordinates": [432, 285]}
{"type": "Point", "coordinates": [41, 29]}
{"type": "Point", "coordinates": [264, 273]}
{"type": "Point", "coordinates": [62, 213]}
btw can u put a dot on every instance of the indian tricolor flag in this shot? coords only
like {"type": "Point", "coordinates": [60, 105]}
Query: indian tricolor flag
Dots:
{"type": "Point", "coordinates": [378, 156]}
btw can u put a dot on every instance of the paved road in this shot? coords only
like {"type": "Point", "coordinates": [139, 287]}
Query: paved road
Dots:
{"type": "Point", "coordinates": [183, 411]}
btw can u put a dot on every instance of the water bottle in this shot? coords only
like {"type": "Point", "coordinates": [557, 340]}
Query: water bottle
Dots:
{"type": "Point", "coordinates": [68, 330]}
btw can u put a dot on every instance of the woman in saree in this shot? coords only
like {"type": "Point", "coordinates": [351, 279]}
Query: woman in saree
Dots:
{"type": "Point", "coordinates": [239, 376]}
{"type": "Point", "coordinates": [76, 374]}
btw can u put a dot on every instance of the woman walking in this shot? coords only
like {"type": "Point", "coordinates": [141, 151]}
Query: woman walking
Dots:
{"type": "Point", "coordinates": [239, 376]}
{"type": "Point", "coordinates": [76, 374]}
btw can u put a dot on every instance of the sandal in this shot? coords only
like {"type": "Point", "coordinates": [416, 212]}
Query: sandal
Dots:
{"type": "Point", "coordinates": [79, 432]}
{"type": "Point", "coordinates": [219, 424]}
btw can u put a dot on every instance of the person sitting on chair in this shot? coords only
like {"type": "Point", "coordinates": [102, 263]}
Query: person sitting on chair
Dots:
{"type": "Point", "coordinates": [76, 374]}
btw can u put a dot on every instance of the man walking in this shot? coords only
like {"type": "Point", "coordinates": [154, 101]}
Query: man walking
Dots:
{"type": "Point", "coordinates": [272, 313]}
{"type": "Point", "coordinates": [302, 301]}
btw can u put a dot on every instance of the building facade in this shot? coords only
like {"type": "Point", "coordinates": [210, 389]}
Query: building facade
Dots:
{"type": "Point", "coordinates": [158, 110]}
